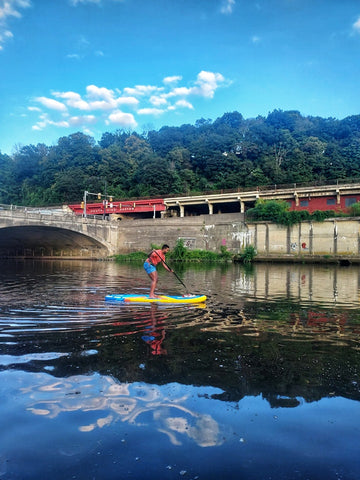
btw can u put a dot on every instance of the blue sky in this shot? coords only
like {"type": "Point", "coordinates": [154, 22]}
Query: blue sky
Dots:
{"type": "Point", "coordinates": [100, 65]}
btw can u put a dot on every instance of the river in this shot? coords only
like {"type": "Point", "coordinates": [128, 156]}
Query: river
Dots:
{"type": "Point", "coordinates": [261, 382]}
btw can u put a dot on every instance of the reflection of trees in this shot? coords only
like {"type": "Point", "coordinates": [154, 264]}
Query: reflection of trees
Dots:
{"type": "Point", "coordinates": [129, 403]}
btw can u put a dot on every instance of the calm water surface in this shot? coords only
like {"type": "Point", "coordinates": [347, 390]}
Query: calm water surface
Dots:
{"type": "Point", "coordinates": [262, 382]}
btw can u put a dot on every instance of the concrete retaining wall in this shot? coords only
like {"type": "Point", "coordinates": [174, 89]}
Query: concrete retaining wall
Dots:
{"type": "Point", "coordinates": [331, 239]}
{"type": "Point", "coordinates": [207, 232]}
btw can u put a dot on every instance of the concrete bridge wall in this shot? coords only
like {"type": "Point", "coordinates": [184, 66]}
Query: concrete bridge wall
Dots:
{"type": "Point", "coordinates": [29, 233]}
{"type": "Point", "coordinates": [207, 232]}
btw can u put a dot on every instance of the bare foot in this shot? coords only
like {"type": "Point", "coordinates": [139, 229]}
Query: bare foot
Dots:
{"type": "Point", "coordinates": [153, 296]}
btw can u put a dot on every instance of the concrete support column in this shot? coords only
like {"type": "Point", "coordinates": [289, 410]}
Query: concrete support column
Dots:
{"type": "Point", "coordinates": [242, 206]}
{"type": "Point", "coordinates": [335, 237]}
{"type": "Point", "coordinates": [296, 196]}
{"type": "Point", "coordinates": [267, 237]}
{"type": "Point", "coordinates": [211, 208]}
{"type": "Point", "coordinates": [182, 210]}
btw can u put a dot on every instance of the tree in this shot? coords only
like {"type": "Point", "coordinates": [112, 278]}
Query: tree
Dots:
{"type": "Point", "coordinates": [6, 185]}
{"type": "Point", "coordinates": [232, 120]}
{"type": "Point", "coordinates": [118, 138]}
{"type": "Point", "coordinates": [117, 169]}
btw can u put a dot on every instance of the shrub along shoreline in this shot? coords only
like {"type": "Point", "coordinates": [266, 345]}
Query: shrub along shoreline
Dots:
{"type": "Point", "coordinates": [182, 254]}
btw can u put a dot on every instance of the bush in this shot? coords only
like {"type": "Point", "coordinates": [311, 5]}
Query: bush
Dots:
{"type": "Point", "coordinates": [131, 257]}
{"type": "Point", "coordinates": [247, 255]}
{"type": "Point", "coordinates": [268, 210]}
{"type": "Point", "coordinates": [355, 209]}
{"type": "Point", "coordinates": [278, 212]}
{"type": "Point", "coordinates": [180, 251]}
{"type": "Point", "coordinates": [225, 254]}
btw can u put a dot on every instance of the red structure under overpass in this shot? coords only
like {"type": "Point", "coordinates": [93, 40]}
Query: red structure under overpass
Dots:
{"type": "Point", "coordinates": [148, 206]}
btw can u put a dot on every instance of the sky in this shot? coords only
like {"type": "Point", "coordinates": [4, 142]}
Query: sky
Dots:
{"type": "Point", "coordinates": [98, 66]}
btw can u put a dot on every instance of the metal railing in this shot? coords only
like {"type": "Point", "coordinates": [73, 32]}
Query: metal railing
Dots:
{"type": "Point", "coordinates": [50, 212]}
{"type": "Point", "coordinates": [270, 187]}
{"type": "Point", "coordinates": [40, 210]}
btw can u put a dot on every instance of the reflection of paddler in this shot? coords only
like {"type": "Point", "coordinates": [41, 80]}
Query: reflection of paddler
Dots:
{"type": "Point", "coordinates": [155, 333]}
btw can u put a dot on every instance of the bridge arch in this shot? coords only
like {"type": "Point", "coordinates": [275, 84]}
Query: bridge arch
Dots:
{"type": "Point", "coordinates": [48, 241]}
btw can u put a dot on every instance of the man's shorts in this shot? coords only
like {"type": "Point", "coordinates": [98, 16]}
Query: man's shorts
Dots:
{"type": "Point", "coordinates": [149, 268]}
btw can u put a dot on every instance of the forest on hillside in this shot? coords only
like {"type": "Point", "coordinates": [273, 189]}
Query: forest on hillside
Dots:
{"type": "Point", "coordinates": [228, 153]}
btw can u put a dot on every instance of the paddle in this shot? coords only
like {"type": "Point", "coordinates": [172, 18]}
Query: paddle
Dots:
{"type": "Point", "coordinates": [176, 275]}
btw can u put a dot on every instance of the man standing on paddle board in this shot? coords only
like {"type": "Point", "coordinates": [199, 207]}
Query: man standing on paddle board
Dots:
{"type": "Point", "coordinates": [154, 258]}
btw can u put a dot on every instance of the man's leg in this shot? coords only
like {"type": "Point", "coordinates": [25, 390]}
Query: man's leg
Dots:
{"type": "Point", "coordinates": [154, 278]}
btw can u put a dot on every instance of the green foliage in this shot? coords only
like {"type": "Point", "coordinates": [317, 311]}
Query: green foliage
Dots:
{"type": "Point", "coordinates": [180, 251]}
{"type": "Point", "coordinates": [131, 257]}
{"type": "Point", "coordinates": [224, 253]}
{"type": "Point", "coordinates": [355, 209]}
{"type": "Point", "coordinates": [295, 216]}
{"type": "Point", "coordinates": [278, 212]}
{"type": "Point", "coordinates": [198, 255]}
{"type": "Point", "coordinates": [230, 152]}
{"type": "Point", "coordinates": [320, 216]}
{"type": "Point", "coordinates": [183, 254]}
{"type": "Point", "coordinates": [246, 256]}
{"type": "Point", "coordinates": [269, 210]}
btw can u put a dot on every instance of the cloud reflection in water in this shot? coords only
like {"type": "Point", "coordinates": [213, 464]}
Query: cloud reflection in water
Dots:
{"type": "Point", "coordinates": [111, 401]}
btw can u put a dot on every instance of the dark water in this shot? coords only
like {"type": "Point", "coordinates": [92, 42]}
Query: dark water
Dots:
{"type": "Point", "coordinates": [261, 383]}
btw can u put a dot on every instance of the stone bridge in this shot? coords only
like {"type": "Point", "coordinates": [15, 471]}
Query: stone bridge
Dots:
{"type": "Point", "coordinates": [34, 232]}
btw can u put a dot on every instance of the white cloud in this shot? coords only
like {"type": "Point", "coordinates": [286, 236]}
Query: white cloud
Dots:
{"type": "Point", "coordinates": [46, 121]}
{"type": "Point", "coordinates": [104, 105]}
{"type": "Point", "coordinates": [74, 56]}
{"type": "Point", "coordinates": [34, 109]}
{"type": "Point", "coordinates": [51, 104]}
{"type": "Point", "coordinates": [207, 83]}
{"type": "Point", "coordinates": [184, 104]}
{"type": "Point", "coordinates": [205, 86]}
{"type": "Point", "coordinates": [99, 92]}
{"type": "Point", "coordinates": [227, 7]}
{"type": "Point", "coordinates": [122, 119]}
{"type": "Point", "coordinates": [356, 26]}
{"type": "Point", "coordinates": [87, 131]}
{"type": "Point", "coordinates": [179, 92]}
{"type": "Point", "coordinates": [119, 107]}
{"type": "Point", "coordinates": [97, 98]}
{"type": "Point", "coordinates": [150, 111]}
{"type": "Point", "coordinates": [5, 35]}
{"type": "Point", "coordinates": [130, 101]}
{"type": "Point", "coordinates": [141, 90]}
{"type": "Point", "coordinates": [157, 101]}
{"type": "Point", "coordinates": [73, 100]}
{"type": "Point", "coordinates": [9, 8]}
{"type": "Point", "coordinates": [173, 79]}
{"type": "Point", "coordinates": [80, 121]}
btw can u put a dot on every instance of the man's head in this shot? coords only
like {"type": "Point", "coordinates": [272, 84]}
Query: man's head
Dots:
{"type": "Point", "coordinates": [165, 248]}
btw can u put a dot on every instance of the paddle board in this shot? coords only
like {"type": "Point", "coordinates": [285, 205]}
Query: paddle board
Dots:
{"type": "Point", "coordinates": [160, 299]}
